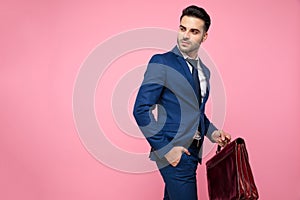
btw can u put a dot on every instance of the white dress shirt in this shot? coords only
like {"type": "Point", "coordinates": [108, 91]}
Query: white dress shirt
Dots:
{"type": "Point", "coordinates": [202, 78]}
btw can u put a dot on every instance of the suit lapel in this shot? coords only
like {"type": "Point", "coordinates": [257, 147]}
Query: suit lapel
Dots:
{"type": "Point", "coordinates": [207, 76]}
{"type": "Point", "coordinates": [184, 67]}
{"type": "Point", "coordinates": [187, 73]}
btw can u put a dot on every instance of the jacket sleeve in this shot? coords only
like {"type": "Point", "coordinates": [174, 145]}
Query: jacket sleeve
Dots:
{"type": "Point", "coordinates": [148, 96]}
{"type": "Point", "coordinates": [210, 127]}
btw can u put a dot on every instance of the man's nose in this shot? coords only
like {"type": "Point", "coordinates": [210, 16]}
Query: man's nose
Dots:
{"type": "Point", "coordinates": [186, 35]}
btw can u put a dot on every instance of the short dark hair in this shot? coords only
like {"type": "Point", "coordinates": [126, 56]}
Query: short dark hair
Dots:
{"type": "Point", "coordinates": [195, 11]}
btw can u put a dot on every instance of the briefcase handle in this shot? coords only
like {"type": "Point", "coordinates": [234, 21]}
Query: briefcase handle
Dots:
{"type": "Point", "coordinates": [218, 149]}
{"type": "Point", "coordinates": [238, 140]}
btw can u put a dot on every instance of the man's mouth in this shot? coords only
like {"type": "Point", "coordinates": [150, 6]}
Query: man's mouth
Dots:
{"type": "Point", "coordinates": [185, 43]}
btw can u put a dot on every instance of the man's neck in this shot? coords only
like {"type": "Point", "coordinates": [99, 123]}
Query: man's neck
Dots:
{"type": "Point", "coordinates": [193, 56]}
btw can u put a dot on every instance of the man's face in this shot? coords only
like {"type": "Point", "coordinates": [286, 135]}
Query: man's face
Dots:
{"type": "Point", "coordinates": [191, 34]}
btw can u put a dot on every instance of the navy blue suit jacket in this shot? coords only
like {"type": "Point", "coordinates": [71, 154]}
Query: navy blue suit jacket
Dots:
{"type": "Point", "coordinates": [168, 83]}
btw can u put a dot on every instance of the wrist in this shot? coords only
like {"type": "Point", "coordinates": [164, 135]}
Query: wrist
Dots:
{"type": "Point", "coordinates": [215, 135]}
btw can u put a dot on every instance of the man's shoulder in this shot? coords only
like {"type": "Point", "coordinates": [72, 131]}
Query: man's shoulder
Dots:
{"type": "Point", "coordinates": [163, 57]}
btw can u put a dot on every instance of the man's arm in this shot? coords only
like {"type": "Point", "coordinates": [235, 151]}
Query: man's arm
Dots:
{"type": "Point", "coordinates": [147, 97]}
{"type": "Point", "coordinates": [210, 127]}
{"type": "Point", "coordinates": [215, 135]}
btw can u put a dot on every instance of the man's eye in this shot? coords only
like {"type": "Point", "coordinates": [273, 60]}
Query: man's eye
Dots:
{"type": "Point", "coordinates": [195, 32]}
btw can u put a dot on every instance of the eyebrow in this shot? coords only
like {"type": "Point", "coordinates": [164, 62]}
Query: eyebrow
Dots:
{"type": "Point", "coordinates": [192, 29]}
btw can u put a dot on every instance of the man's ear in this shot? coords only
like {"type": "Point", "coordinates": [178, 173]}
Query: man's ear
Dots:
{"type": "Point", "coordinates": [205, 35]}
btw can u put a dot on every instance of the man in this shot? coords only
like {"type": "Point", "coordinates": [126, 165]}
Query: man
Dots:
{"type": "Point", "coordinates": [177, 83]}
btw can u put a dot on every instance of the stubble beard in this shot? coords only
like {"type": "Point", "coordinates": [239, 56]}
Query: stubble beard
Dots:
{"type": "Point", "coordinates": [191, 49]}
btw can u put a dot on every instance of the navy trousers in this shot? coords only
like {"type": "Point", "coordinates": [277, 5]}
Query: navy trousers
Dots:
{"type": "Point", "coordinates": [180, 181]}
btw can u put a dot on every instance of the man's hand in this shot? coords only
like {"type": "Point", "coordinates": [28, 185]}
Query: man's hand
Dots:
{"type": "Point", "coordinates": [174, 155]}
{"type": "Point", "coordinates": [221, 137]}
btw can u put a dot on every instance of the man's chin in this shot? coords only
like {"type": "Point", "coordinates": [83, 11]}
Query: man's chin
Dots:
{"type": "Point", "coordinates": [184, 49]}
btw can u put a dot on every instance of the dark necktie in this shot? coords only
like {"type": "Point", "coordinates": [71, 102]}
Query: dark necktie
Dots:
{"type": "Point", "coordinates": [194, 64]}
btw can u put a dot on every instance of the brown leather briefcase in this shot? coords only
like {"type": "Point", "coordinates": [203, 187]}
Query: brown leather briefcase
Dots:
{"type": "Point", "coordinates": [229, 174]}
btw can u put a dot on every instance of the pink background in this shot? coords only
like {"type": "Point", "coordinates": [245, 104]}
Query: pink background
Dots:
{"type": "Point", "coordinates": [255, 45]}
